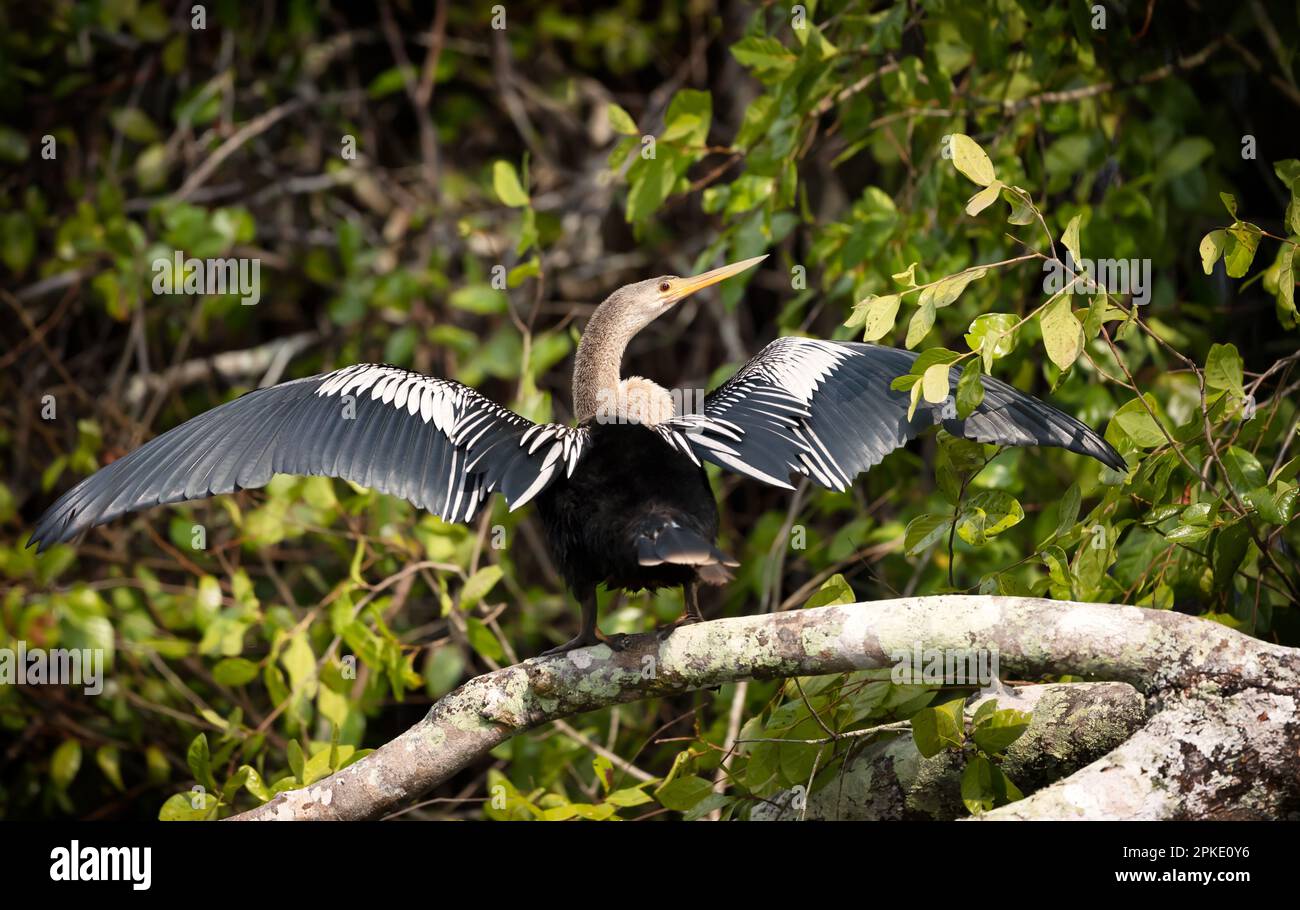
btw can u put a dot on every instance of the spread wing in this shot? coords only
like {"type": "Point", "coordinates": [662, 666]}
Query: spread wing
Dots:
{"type": "Point", "coordinates": [433, 442]}
{"type": "Point", "coordinates": [824, 409]}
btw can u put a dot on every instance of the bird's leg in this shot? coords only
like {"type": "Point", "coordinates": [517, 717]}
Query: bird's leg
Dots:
{"type": "Point", "coordinates": [691, 595]}
{"type": "Point", "coordinates": [691, 615]}
{"type": "Point", "coordinates": [589, 635]}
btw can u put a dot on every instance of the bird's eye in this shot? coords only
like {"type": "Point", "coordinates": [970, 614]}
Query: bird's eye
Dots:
{"type": "Point", "coordinates": [664, 287]}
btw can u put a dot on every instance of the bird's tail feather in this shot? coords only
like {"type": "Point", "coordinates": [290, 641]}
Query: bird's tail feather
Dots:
{"type": "Point", "coordinates": [662, 540]}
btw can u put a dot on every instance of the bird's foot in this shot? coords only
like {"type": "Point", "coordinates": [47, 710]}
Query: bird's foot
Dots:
{"type": "Point", "coordinates": [686, 620]}
{"type": "Point", "coordinates": [615, 642]}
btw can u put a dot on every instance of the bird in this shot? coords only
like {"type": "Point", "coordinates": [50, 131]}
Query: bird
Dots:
{"type": "Point", "coordinates": [622, 491]}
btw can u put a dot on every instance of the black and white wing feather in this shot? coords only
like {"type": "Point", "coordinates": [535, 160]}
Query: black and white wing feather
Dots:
{"type": "Point", "coordinates": [433, 442]}
{"type": "Point", "coordinates": [825, 410]}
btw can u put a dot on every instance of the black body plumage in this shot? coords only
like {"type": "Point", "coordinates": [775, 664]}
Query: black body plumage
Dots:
{"type": "Point", "coordinates": [632, 499]}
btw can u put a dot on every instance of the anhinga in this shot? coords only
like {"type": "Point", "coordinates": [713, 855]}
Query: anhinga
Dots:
{"type": "Point", "coordinates": [623, 494]}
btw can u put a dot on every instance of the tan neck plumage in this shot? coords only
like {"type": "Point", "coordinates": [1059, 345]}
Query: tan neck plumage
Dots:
{"type": "Point", "coordinates": [597, 363]}
{"type": "Point", "coordinates": [598, 389]}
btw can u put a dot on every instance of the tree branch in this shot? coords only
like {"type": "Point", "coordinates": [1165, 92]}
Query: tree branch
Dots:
{"type": "Point", "coordinates": [1165, 655]}
{"type": "Point", "coordinates": [1072, 725]}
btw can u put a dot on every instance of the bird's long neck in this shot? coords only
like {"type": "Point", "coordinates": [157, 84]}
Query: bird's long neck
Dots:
{"type": "Point", "coordinates": [599, 358]}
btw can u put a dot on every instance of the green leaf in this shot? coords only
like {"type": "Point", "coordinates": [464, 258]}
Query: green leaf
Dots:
{"type": "Point", "coordinates": [1230, 203]}
{"type": "Point", "coordinates": [505, 181]}
{"type": "Point", "coordinates": [1185, 155]}
{"type": "Point", "coordinates": [299, 662]}
{"type": "Point", "coordinates": [1058, 566]}
{"type": "Point", "coordinates": [65, 763]}
{"type": "Point", "coordinates": [297, 762]}
{"type": "Point", "coordinates": [620, 120]}
{"type": "Point", "coordinates": [649, 184]}
{"type": "Point", "coordinates": [1212, 245]}
{"type": "Point", "coordinates": [578, 810]}
{"type": "Point", "coordinates": [970, 389]}
{"type": "Point", "coordinates": [1188, 534]}
{"type": "Point", "coordinates": [971, 160]}
{"type": "Point", "coordinates": [1069, 512]}
{"type": "Point", "coordinates": [1071, 240]}
{"type": "Point", "coordinates": [401, 345]}
{"type": "Point", "coordinates": [13, 145]}
{"type": "Point", "coordinates": [254, 784]}
{"type": "Point", "coordinates": [478, 585]}
{"type": "Point", "coordinates": [1062, 333]}
{"type": "Point", "coordinates": [1198, 513]}
{"type": "Point", "coordinates": [984, 786]}
{"type": "Point", "coordinates": [482, 640]}
{"type": "Point", "coordinates": [316, 767]}
{"type": "Point", "coordinates": [923, 531]}
{"type": "Point", "coordinates": [939, 728]}
{"type": "Point", "coordinates": [150, 23]}
{"type": "Point", "coordinates": [391, 80]}
{"type": "Point", "coordinates": [443, 670]}
{"type": "Point", "coordinates": [1223, 369]}
{"type": "Point", "coordinates": [1286, 275]}
{"type": "Point", "coordinates": [151, 166]}
{"type": "Point", "coordinates": [683, 793]}
{"type": "Point", "coordinates": [992, 336]}
{"type": "Point", "coordinates": [199, 760]}
{"type": "Point", "coordinates": [984, 198]}
{"type": "Point", "coordinates": [919, 327]}
{"type": "Point", "coordinates": [17, 241]}
{"type": "Point", "coordinates": [934, 384]}
{"type": "Point", "coordinates": [913, 400]}
{"type": "Point", "coordinates": [180, 807]}
{"type": "Point", "coordinates": [688, 117]}
{"type": "Point", "coordinates": [1243, 240]}
{"type": "Point", "coordinates": [1245, 473]}
{"type": "Point", "coordinates": [834, 591]}
{"type": "Point", "coordinates": [1277, 508]}
{"type": "Point", "coordinates": [1288, 171]}
{"type": "Point", "coordinates": [135, 125]}
{"type": "Point", "coordinates": [157, 766]}
{"type": "Point", "coordinates": [233, 784]}
{"type": "Point", "coordinates": [1134, 420]}
{"type": "Point", "coordinates": [764, 54]}
{"type": "Point", "coordinates": [109, 760]}
{"type": "Point", "coordinates": [1230, 548]}
{"type": "Point", "coordinates": [946, 290]}
{"type": "Point", "coordinates": [479, 298]}
{"type": "Point", "coordinates": [235, 671]}
{"type": "Point", "coordinates": [1022, 210]}
{"type": "Point", "coordinates": [880, 315]}
{"type": "Point", "coordinates": [907, 277]}
{"type": "Point", "coordinates": [987, 514]}
{"type": "Point", "coordinates": [604, 770]}
{"type": "Point", "coordinates": [999, 729]}
{"type": "Point", "coordinates": [962, 456]}
{"type": "Point", "coordinates": [628, 797]}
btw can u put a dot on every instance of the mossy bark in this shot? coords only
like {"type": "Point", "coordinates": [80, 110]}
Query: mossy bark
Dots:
{"type": "Point", "coordinates": [1072, 725]}
{"type": "Point", "coordinates": [1239, 691]}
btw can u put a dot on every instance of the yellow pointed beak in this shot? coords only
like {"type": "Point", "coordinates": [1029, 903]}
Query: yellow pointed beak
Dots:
{"type": "Point", "coordinates": [685, 287]}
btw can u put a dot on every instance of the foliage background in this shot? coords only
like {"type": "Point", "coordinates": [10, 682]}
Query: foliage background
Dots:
{"type": "Point", "coordinates": [519, 147]}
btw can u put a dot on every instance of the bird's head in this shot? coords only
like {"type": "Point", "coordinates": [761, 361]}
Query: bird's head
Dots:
{"type": "Point", "coordinates": [634, 306]}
